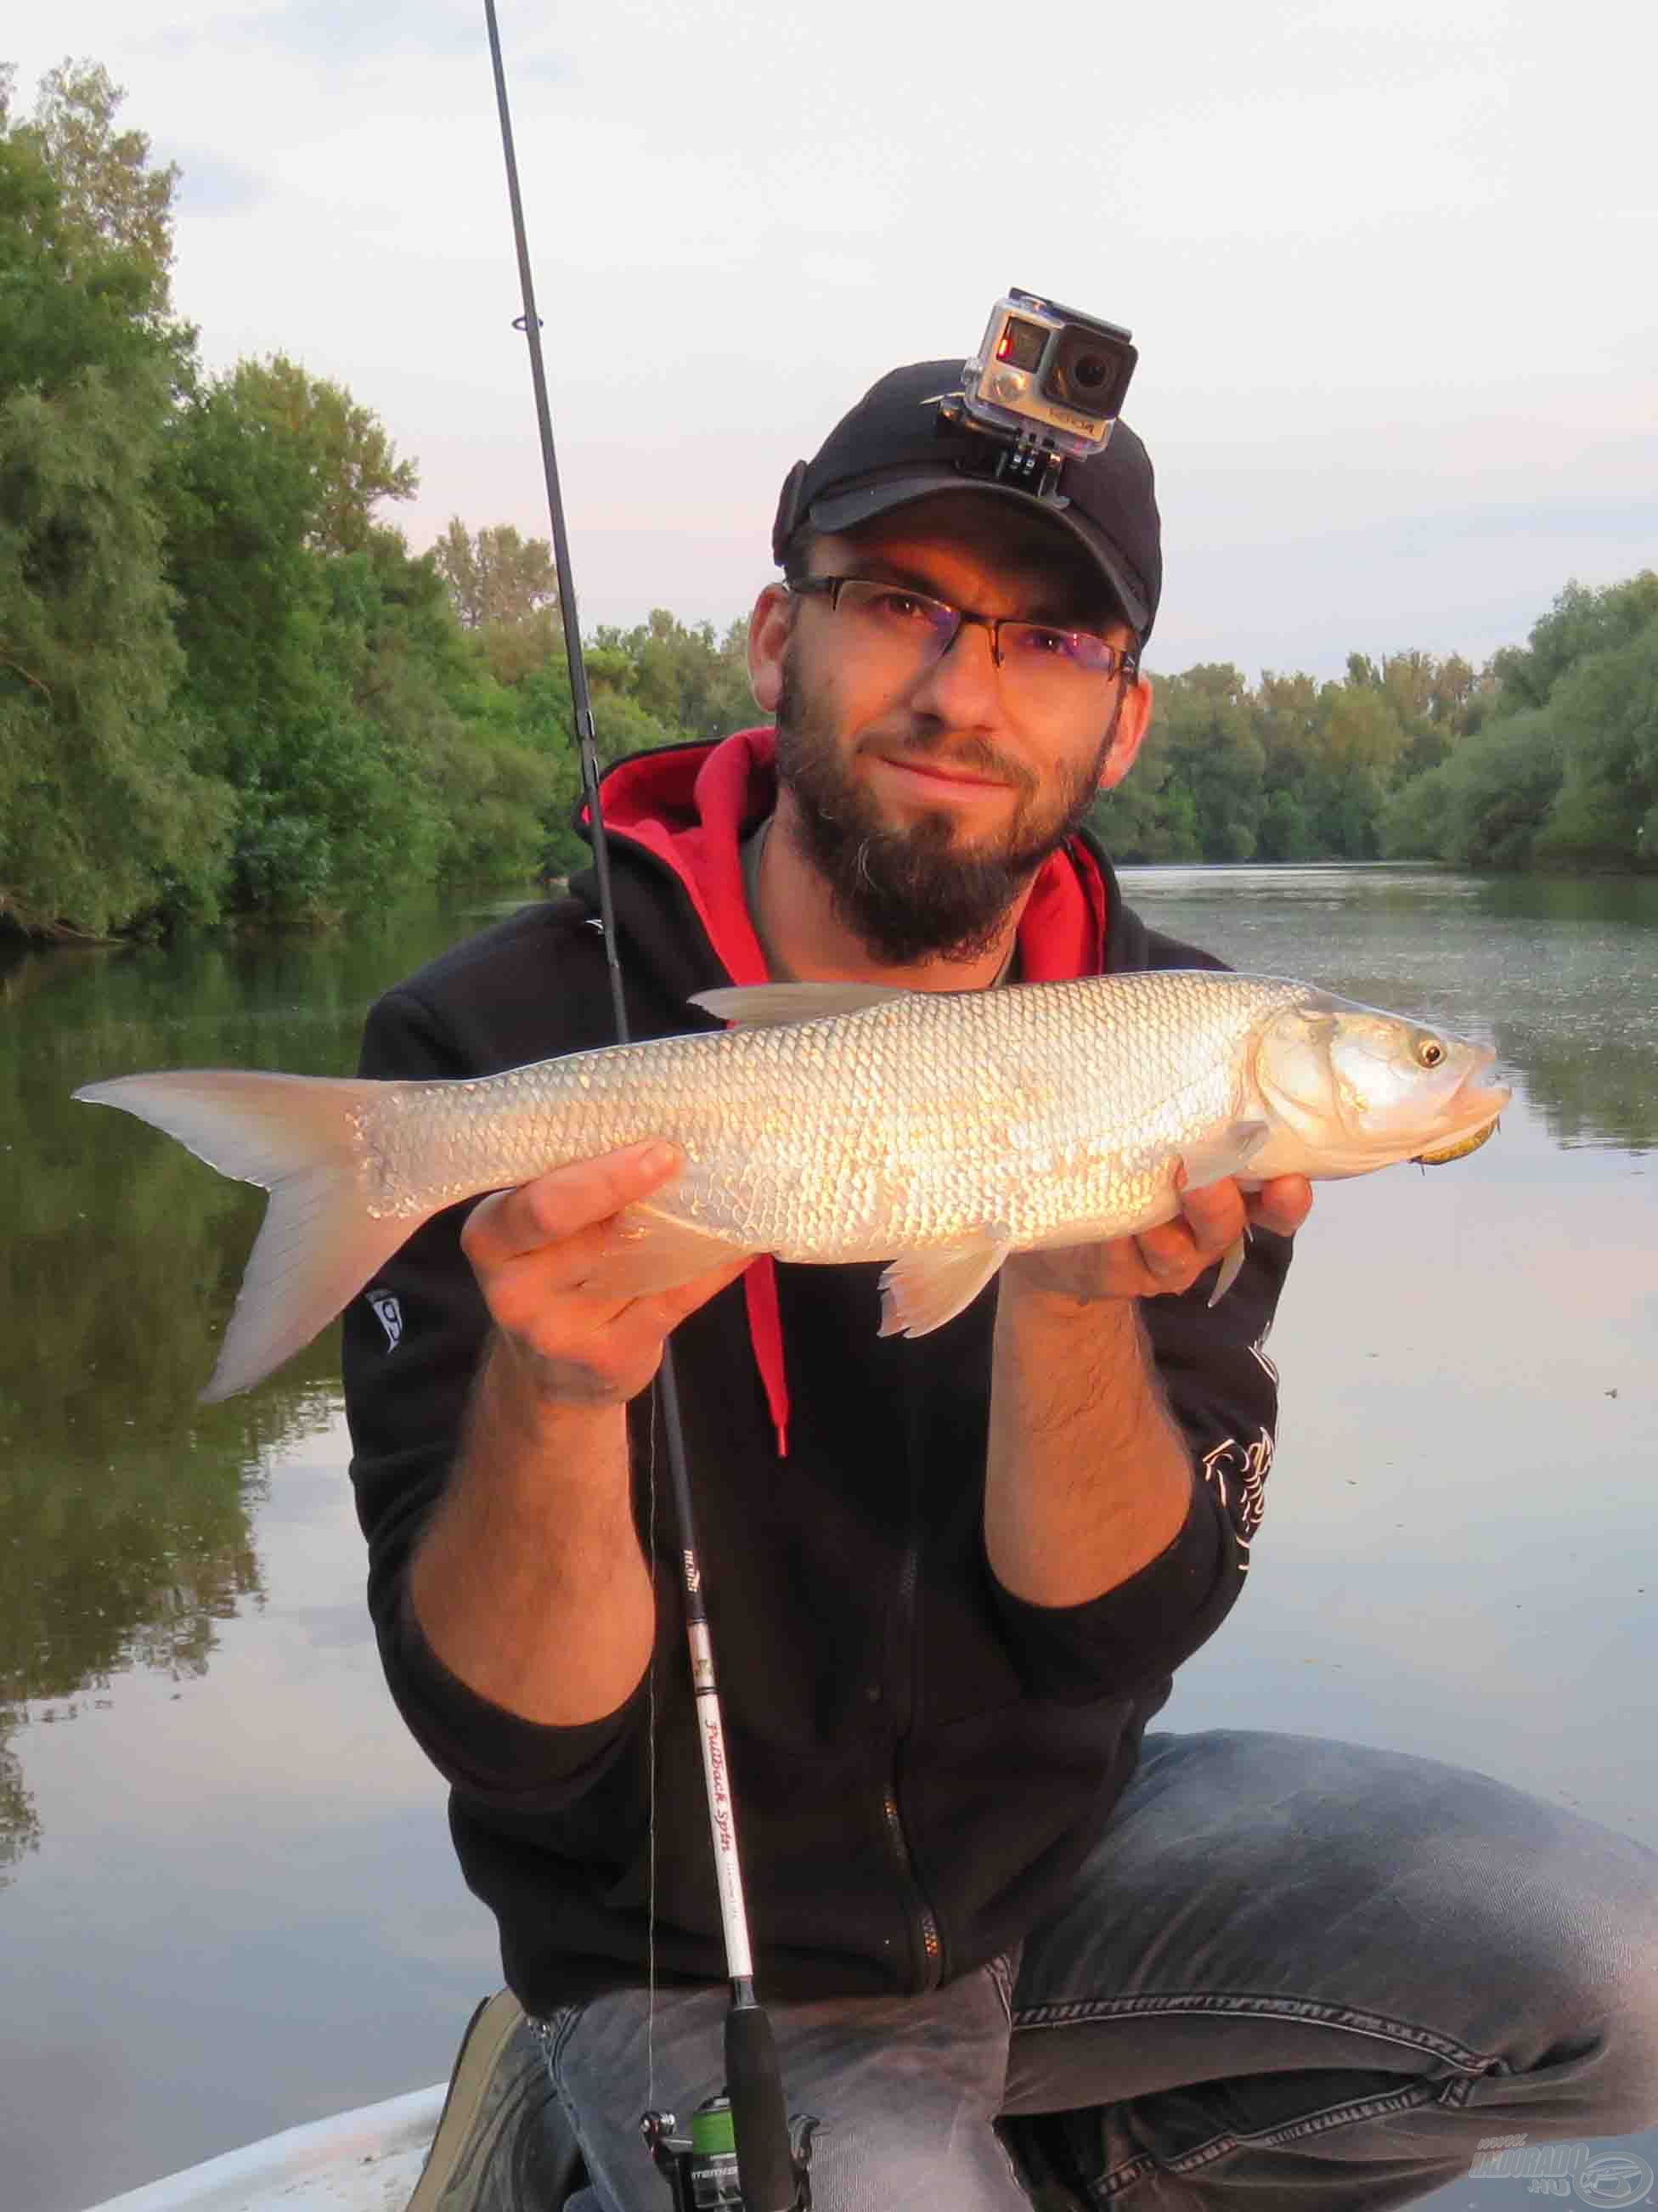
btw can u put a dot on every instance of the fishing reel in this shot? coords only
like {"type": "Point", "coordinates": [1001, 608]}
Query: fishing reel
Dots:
{"type": "Point", "coordinates": [701, 2168]}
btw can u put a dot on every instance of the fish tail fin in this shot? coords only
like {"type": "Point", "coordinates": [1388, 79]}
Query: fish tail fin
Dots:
{"type": "Point", "coordinates": [300, 1137]}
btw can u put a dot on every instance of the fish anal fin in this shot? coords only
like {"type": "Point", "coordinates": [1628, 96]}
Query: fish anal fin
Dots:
{"type": "Point", "coordinates": [776, 1005]}
{"type": "Point", "coordinates": [924, 1289]}
{"type": "Point", "coordinates": [654, 1251]}
{"type": "Point", "coordinates": [1227, 1153]}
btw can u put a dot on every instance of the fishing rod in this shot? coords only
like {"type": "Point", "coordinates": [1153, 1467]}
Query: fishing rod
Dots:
{"type": "Point", "coordinates": [741, 2150]}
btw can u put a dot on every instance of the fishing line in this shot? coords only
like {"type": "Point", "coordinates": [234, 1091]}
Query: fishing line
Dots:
{"type": "Point", "coordinates": [771, 2171]}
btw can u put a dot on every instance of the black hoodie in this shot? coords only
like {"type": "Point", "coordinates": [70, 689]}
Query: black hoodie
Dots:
{"type": "Point", "coordinates": [920, 1760]}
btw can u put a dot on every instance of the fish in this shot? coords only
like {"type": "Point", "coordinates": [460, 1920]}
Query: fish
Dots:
{"type": "Point", "coordinates": [938, 1132]}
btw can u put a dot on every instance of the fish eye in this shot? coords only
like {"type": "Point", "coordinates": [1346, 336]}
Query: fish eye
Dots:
{"type": "Point", "coordinates": [1429, 1052]}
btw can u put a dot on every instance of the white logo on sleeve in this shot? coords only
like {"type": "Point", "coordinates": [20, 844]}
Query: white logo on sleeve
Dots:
{"type": "Point", "coordinates": [391, 1316]}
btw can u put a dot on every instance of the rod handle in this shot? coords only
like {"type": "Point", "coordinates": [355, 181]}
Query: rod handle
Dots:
{"type": "Point", "coordinates": [754, 2082]}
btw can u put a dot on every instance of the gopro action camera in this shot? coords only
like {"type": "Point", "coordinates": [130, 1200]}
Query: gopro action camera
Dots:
{"type": "Point", "coordinates": [1048, 375]}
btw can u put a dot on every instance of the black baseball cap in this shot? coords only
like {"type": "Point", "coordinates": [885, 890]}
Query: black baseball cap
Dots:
{"type": "Point", "coordinates": [897, 445]}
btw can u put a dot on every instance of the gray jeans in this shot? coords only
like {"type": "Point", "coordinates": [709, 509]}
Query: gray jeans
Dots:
{"type": "Point", "coordinates": [1294, 1972]}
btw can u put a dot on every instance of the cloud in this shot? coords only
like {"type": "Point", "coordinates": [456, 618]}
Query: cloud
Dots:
{"type": "Point", "coordinates": [214, 184]}
{"type": "Point", "coordinates": [389, 28]}
{"type": "Point", "coordinates": [372, 32]}
{"type": "Point", "coordinates": [1632, 522]}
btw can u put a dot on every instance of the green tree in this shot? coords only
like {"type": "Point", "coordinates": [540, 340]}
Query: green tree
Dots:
{"type": "Point", "coordinates": [105, 814]}
{"type": "Point", "coordinates": [1147, 816]}
{"type": "Point", "coordinates": [344, 449]}
{"type": "Point", "coordinates": [497, 577]}
{"type": "Point", "coordinates": [1452, 690]}
{"type": "Point", "coordinates": [1485, 804]}
{"type": "Point", "coordinates": [684, 677]}
{"type": "Point", "coordinates": [1286, 831]}
{"type": "Point", "coordinates": [1580, 622]}
{"type": "Point", "coordinates": [1362, 742]}
{"type": "Point", "coordinates": [1605, 812]}
{"type": "Point", "coordinates": [111, 202]}
{"type": "Point", "coordinates": [1215, 757]}
{"type": "Point", "coordinates": [1289, 727]}
{"type": "Point", "coordinates": [1414, 822]}
{"type": "Point", "coordinates": [1429, 698]}
{"type": "Point", "coordinates": [485, 778]}
{"type": "Point", "coordinates": [1561, 765]}
{"type": "Point", "coordinates": [240, 504]}
{"type": "Point", "coordinates": [366, 749]}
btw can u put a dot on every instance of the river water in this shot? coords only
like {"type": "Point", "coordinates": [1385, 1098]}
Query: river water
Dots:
{"type": "Point", "coordinates": [226, 1898]}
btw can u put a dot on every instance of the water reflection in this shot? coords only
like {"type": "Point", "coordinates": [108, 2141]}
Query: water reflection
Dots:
{"type": "Point", "coordinates": [1601, 1094]}
{"type": "Point", "coordinates": [20, 1827]}
{"type": "Point", "coordinates": [126, 1507]}
{"type": "Point", "coordinates": [1625, 900]}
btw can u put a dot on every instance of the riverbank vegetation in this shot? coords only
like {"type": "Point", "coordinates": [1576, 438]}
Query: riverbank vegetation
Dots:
{"type": "Point", "coordinates": [1546, 757]}
{"type": "Point", "coordinates": [228, 687]}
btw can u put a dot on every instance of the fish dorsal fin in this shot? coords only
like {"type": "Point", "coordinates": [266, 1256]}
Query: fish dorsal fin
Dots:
{"type": "Point", "coordinates": [773, 1006]}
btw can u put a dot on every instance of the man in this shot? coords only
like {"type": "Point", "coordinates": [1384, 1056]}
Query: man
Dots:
{"type": "Point", "coordinates": [1009, 1944]}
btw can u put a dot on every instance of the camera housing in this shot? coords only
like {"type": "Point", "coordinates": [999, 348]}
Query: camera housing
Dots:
{"type": "Point", "coordinates": [1048, 375]}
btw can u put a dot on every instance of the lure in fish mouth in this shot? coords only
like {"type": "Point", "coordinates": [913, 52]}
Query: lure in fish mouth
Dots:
{"type": "Point", "coordinates": [937, 1130]}
{"type": "Point", "coordinates": [1459, 1151]}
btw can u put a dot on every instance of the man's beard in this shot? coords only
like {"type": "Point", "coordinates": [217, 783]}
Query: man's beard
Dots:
{"type": "Point", "coordinates": [909, 893]}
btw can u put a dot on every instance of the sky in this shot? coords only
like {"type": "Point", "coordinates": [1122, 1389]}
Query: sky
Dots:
{"type": "Point", "coordinates": [1389, 264]}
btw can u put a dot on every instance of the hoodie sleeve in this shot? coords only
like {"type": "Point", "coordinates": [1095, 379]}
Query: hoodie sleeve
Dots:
{"type": "Point", "coordinates": [1223, 1391]}
{"type": "Point", "coordinates": [412, 1342]}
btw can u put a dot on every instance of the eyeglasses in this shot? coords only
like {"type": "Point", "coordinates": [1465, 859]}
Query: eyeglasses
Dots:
{"type": "Point", "coordinates": [1043, 665]}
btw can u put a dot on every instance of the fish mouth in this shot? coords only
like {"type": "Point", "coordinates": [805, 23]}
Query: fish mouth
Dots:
{"type": "Point", "coordinates": [1471, 1116]}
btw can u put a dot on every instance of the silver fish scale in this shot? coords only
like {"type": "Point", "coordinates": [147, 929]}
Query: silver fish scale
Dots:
{"type": "Point", "coordinates": [1031, 1114]}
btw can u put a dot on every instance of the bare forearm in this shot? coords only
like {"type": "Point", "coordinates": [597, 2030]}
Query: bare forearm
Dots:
{"type": "Point", "coordinates": [530, 1586]}
{"type": "Point", "coordinates": [1088, 1478]}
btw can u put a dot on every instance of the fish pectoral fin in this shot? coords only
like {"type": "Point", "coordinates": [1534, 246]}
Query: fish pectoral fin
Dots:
{"type": "Point", "coordinates": [774, 1006]}
{"type": "Point", "coordinates": [924, 1289]}
{"type": "Point", "coordinates": [653, 1251]}
{"type": "Point", "coordinates": [1231, 1262]}
{"type": "Point", "coordinates": [1227, 1154]}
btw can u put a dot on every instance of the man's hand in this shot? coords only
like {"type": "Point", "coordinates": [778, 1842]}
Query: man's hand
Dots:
{"type": "Point", "coordinates": [1088, 1477]}
{"type": "Point", "coordinates": [531, 1249]}
{"type": "Point", "coordinates": [530, 1584]}
{"type": "Point", "coordinates": [1171, 1258]}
